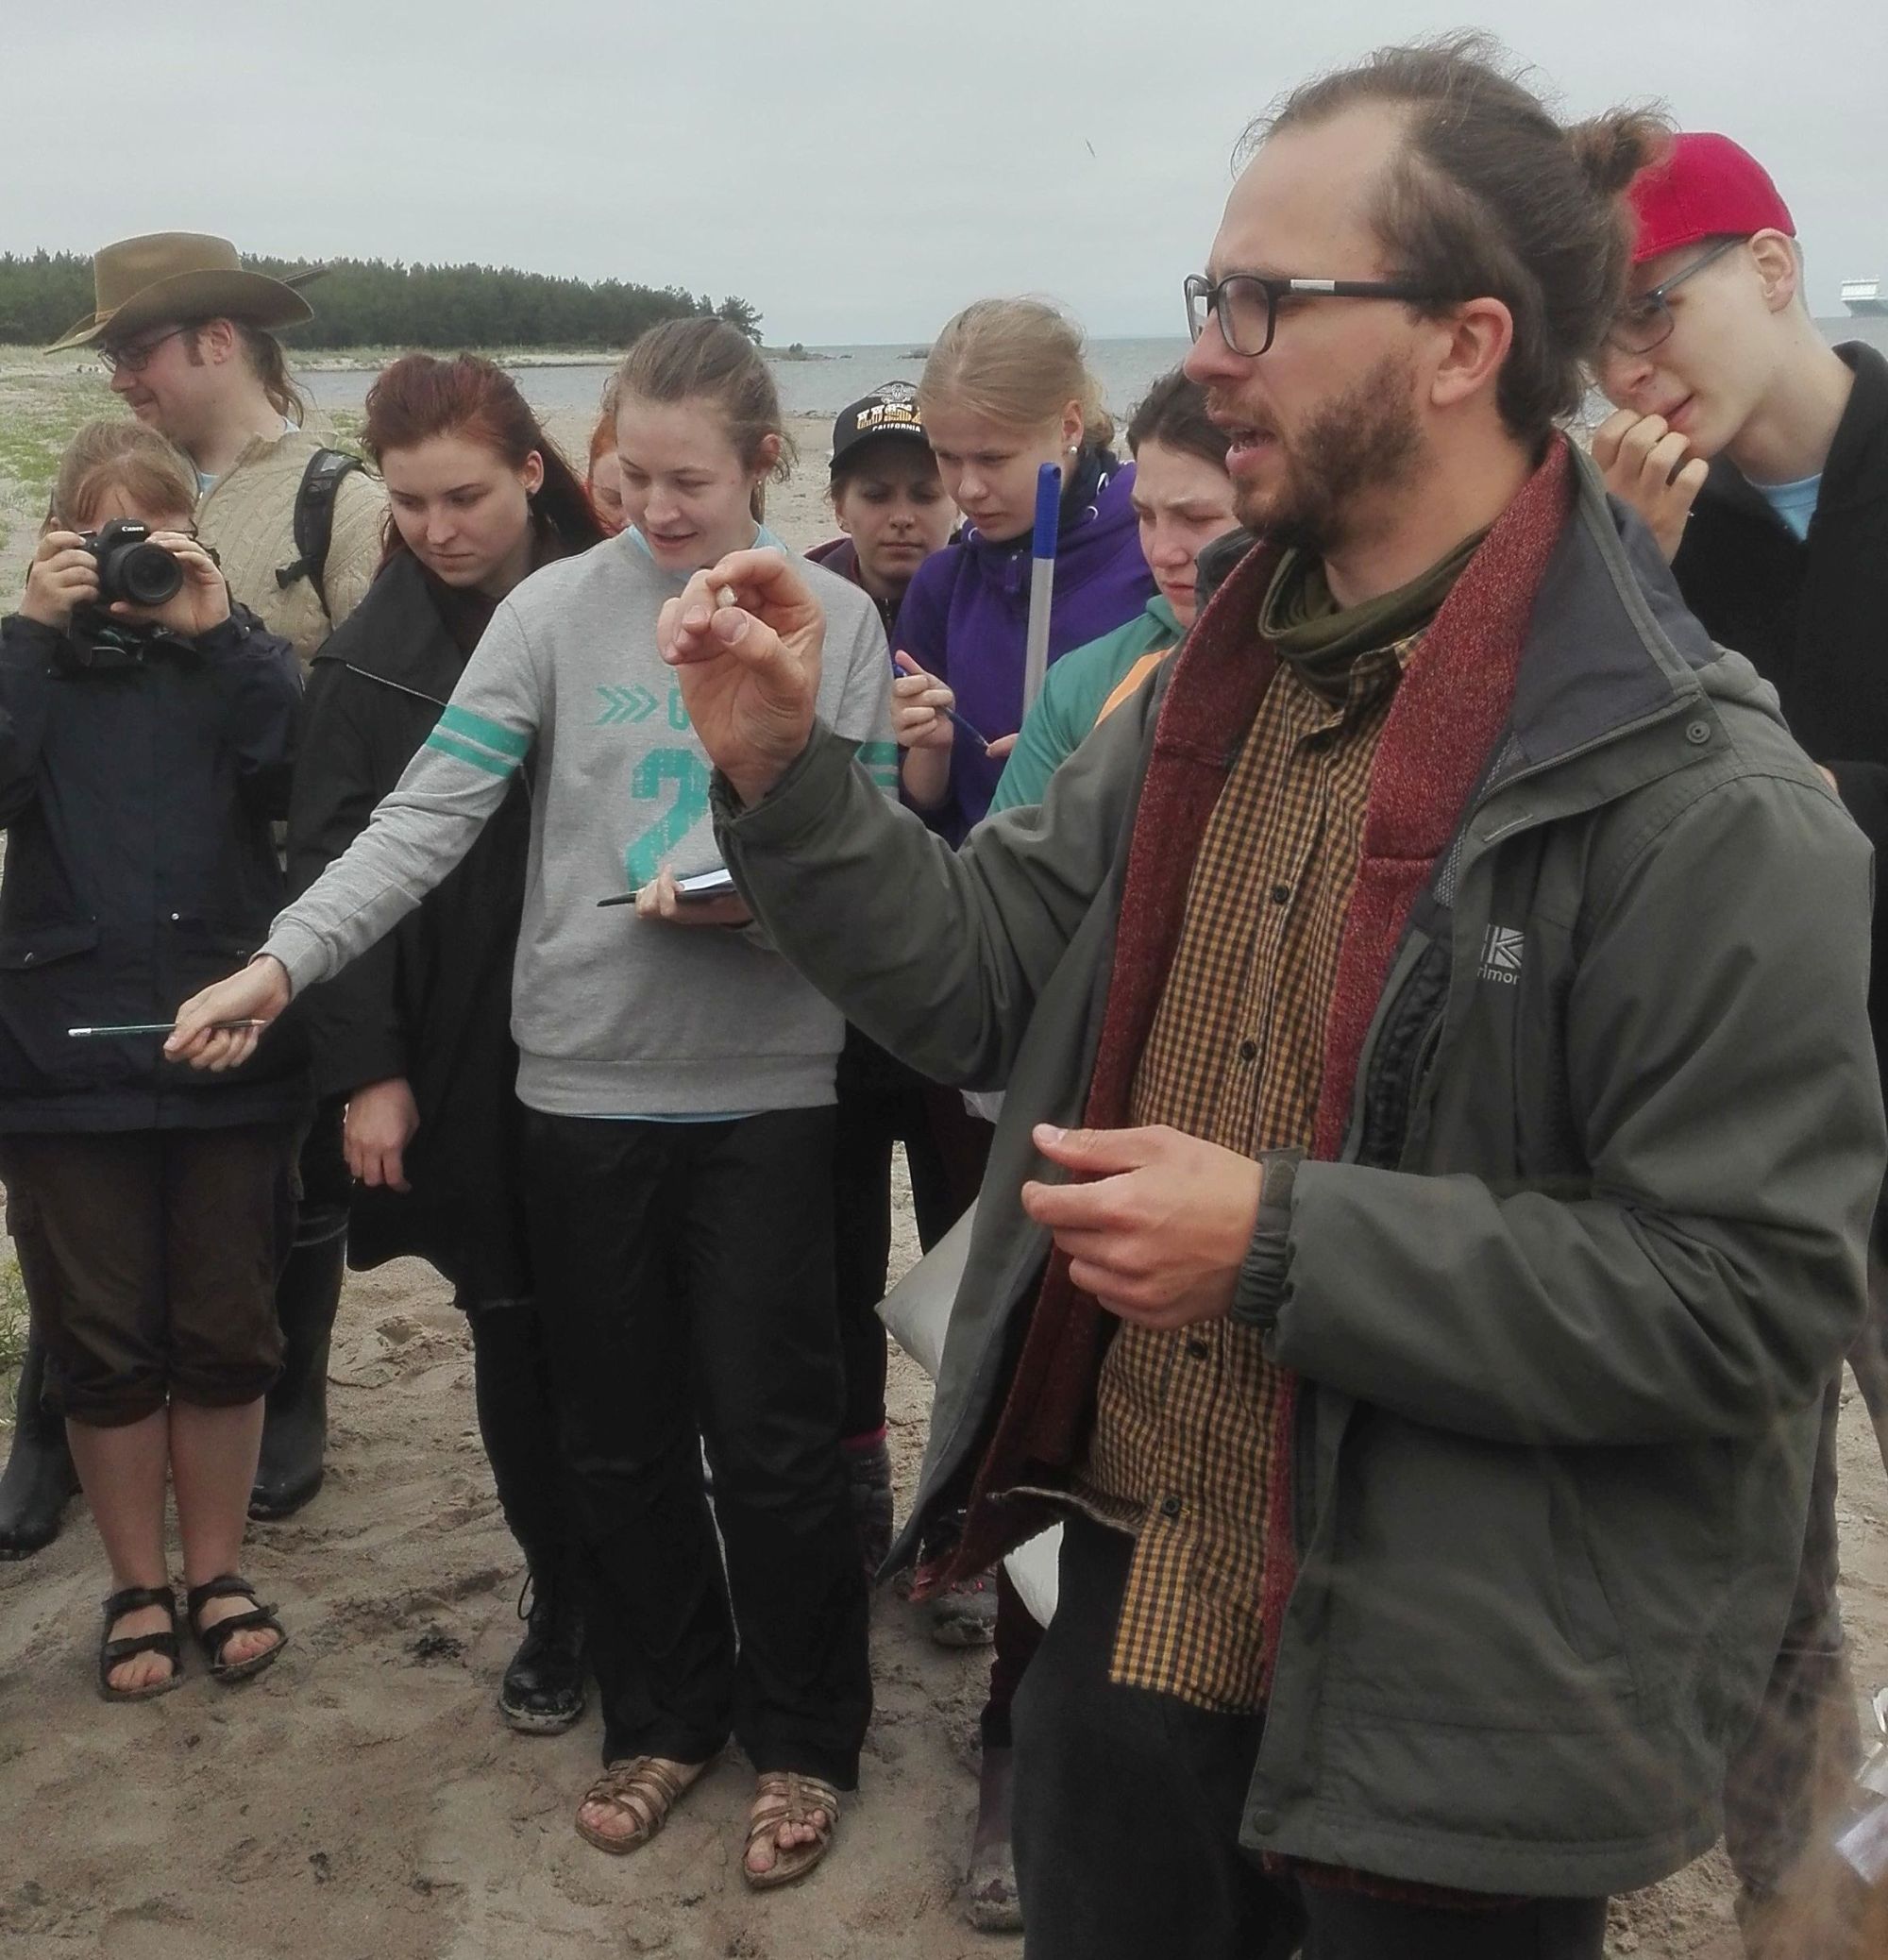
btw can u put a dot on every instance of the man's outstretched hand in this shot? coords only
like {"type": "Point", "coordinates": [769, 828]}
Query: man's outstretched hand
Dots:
{"type": "Point", "coordinates": [745, 639]}
{"type": "Point", "coordinates": [1159, 1230]}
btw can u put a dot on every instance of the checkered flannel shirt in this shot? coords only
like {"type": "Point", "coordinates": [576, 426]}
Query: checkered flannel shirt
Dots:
{"type": "Point", "coordinates": [1186, 1425]}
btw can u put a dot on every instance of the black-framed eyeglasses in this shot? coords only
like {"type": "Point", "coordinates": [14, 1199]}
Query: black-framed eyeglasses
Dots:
{"type": "Point", "coordinates": [1645, 320]}
{"type": "Point", "coordinates": [1245, 304]}
{"type": "Point", "coordinates": [135, 356]}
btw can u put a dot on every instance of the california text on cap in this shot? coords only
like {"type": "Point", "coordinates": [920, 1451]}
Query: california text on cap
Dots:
{"type": "Point", "coordinates": [890, 410]}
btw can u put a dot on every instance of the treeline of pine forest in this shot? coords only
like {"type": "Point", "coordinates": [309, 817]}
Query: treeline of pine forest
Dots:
{"type": "Point", "coordinates": [368, 302]}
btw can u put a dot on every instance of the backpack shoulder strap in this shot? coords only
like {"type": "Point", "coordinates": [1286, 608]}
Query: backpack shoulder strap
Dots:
{"type": "Point", "coordinates": [314, 520]}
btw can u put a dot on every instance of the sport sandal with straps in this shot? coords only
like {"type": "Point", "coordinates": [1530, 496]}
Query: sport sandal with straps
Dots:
{"type": "Point", "coordinates": [215, 1637]}
{"type": "Point", "coordinates": [785, 1797]}
{"type": "Point", "coordinates": [114, 1653]}
{"type": "Point", "coordinates": [641, 1788]}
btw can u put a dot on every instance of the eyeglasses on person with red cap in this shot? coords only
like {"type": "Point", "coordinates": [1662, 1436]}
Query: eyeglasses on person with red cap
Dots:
{"type": "Point", "coordinates": [1645, 320]}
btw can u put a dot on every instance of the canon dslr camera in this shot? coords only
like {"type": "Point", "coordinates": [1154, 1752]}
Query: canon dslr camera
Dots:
{"type": "Point", "coordinates": [130, 567]}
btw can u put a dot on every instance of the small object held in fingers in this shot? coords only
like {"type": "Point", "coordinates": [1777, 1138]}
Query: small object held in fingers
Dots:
{"type": "Point", "coordinates": [153, 1027]}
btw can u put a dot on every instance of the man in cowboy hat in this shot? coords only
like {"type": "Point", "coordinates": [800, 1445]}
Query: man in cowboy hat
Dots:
{"type": "Point", "coordinates": [185, 332]}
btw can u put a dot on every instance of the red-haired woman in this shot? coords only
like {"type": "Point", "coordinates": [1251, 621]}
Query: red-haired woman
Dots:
{"type": "Point", "coordinates": [416, 1035]}
{"type": "Point", "coordinates": [604, 476]}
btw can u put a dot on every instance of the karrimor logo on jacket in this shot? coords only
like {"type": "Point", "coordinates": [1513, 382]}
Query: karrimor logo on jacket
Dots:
{"type": "Point", "coordinates": [1501, 955]}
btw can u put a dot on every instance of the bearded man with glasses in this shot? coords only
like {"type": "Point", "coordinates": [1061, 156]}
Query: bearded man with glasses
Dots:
{"type": "Point", "coordinates": [1424, 1214]}
{"type": "Point", "coordinates": [187, 333]}
{"type": "Point", "coordinates": [1758, 454]}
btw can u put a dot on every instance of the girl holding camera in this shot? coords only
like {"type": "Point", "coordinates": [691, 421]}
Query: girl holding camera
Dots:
{"type": "Point", "coordinates": [144, 751]}
{"type": "Point", "coordinates": [677, 1077]}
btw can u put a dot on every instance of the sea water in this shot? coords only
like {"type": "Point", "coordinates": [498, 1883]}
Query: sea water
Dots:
{"type": "Point", "coordinates": [828, 378]}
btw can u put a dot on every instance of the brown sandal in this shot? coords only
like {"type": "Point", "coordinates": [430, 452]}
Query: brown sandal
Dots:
{"type": "Point", "coordinates": [786, 1797]}
{"type": "Point", "coordinates": [643, 1788]}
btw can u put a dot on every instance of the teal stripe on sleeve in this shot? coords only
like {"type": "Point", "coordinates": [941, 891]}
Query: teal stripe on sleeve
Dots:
{"type": "Point", "coordinates": [449, 745]}
{"type": "Point", "coordinates": [488, 734]}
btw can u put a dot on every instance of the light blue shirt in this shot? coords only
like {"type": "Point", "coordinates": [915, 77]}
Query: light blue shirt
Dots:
{"type": "Point", "coordinates": [1795, 503]}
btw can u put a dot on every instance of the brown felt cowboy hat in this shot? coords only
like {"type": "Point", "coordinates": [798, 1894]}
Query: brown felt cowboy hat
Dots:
{"type": "Point", "coordinates": [181, 275]}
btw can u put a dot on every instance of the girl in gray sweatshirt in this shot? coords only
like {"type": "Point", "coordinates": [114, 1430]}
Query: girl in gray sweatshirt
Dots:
{"type": "Point", "coordinates": [678, 1084]}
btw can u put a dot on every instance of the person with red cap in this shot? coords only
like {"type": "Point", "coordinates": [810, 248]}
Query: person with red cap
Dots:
{"type": "Point", "coordinates": [1758, 454]}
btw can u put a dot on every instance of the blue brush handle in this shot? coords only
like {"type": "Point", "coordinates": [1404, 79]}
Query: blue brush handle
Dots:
{"type": "Point", "coordinates": [1047, 510]}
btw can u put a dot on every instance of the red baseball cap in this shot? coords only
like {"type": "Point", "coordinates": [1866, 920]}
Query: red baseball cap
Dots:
{"type": "Point", "coordinates": [1707, 187]}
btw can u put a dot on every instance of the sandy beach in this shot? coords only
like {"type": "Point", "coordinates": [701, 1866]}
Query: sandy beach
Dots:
{"type": "Point", "coordinates": [362, 1801]}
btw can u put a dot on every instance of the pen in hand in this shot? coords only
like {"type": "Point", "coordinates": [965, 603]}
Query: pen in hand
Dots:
{"type": "Point", "coordinates": [149, 1027]}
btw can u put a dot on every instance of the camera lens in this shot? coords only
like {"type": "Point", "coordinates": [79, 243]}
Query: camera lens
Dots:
{"type": "Point", "coordinates": [146, 574]}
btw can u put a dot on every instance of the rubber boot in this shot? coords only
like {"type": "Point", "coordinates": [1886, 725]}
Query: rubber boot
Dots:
{"type": "Point", "coordinates": [40, 1480]}
{"type": "Point", "coordinates": [542, 1693]}
{"type": "Point", "coordinates": [294, 1424]}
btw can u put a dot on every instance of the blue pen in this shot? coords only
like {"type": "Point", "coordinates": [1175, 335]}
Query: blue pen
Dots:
{"type": "Point", "coordinates": [950, 715]}
{"type": "Point", "coordinates": [1041, 581]}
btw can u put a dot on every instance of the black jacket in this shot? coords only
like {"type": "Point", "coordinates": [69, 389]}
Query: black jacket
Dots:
{"type": "Point", "coordinates": [137, 792]}
{"type": "Point", "coordinates": [432, 1002]}
{"type": "Point", "coordinates": [1812, 617]}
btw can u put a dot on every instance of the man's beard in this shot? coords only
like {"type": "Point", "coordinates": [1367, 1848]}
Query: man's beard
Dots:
{"type": "Point", "coordinates": [1365, 437]}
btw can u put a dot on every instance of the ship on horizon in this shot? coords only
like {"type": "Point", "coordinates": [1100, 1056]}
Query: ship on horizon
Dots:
{"type": "Point", "coordinates": [1863, 298]}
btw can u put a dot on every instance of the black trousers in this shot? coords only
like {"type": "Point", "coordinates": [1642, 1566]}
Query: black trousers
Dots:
{"type": "Point", "coordinates": [1102, 1770]}
{"type": "Point", "coordinates": [517, 1422]}
{"type": "Point", "coordinates": [883, 1103]}
{"type": "Point", "coordinates": [685, 1272]}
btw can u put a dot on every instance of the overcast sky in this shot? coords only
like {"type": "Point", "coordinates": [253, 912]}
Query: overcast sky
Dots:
{"type": "Point", "coordinates": [857, 171]}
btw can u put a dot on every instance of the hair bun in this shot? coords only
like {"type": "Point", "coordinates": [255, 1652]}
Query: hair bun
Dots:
{"type": "Point", "coordinates": [1613, 148]}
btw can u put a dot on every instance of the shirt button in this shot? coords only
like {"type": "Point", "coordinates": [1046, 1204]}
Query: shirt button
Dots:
{"type": "Point", "coordinates": [1169, 1507]}
{"type": "Point", "coordinates": [1248, 1049]}
{"type": "Point", "coordinates": [1281, 894]}
{"type": "Point", "coordinates": [1198, 1350]}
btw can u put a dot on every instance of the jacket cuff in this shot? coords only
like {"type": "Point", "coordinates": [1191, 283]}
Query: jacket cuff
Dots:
{"type": "Point", "coordinates": [811, 781]}
{"type": "Point", "coordinates": [32, 637]}
{"type": "Point", "coordinates": [355, 1065]}
{"type": "Point", "coordinates": [1260, 1290]}
{"type": "Point", "coordinates": [228, 635]}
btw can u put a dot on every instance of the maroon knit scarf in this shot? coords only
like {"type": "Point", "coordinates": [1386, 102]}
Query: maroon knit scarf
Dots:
{"type": "Point", "coordinates": [1449, 710]}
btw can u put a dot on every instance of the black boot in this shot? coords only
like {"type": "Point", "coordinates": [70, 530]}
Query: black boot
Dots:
{"type": "Point", "coordinates": [542, 1693]}
{"type": "Point", "coordinates": [543, 1689]}
{"type": "Point", "coordinates": [39, 1480]}
{"type": "Point", "coordinates": [294, 1424]}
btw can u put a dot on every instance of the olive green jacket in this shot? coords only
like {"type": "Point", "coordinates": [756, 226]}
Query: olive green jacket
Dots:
{"type": "Point", "coordinates": [1564, 1306]}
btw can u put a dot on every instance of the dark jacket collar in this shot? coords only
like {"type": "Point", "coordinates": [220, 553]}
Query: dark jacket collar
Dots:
{"type": "Point", "coordinates": [396, 634]}
{"type": "Point", "coordinates": [1856, 473]}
